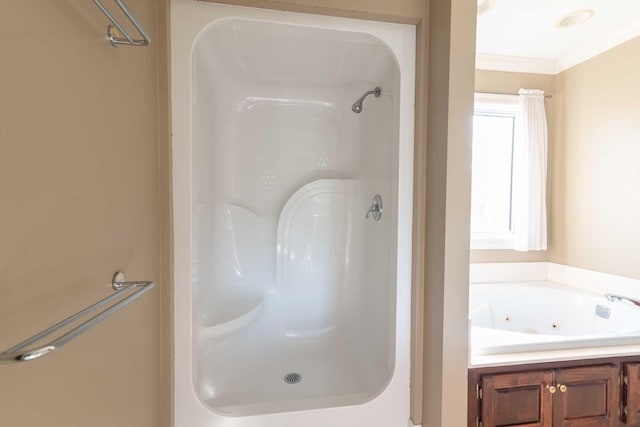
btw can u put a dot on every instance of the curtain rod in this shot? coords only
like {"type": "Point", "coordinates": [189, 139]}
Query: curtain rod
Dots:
{"type": "Point", "coordinates": [513, 94]}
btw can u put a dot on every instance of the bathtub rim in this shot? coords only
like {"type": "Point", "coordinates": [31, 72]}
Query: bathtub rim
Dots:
{"type": "Point", "coordinates": [401, 39]}
{"type": "Point", "coordinates": [521, 354]}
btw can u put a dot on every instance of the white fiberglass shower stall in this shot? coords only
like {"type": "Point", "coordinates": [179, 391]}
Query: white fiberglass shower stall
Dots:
{"type": "Point", "coordinates": [292, 218]}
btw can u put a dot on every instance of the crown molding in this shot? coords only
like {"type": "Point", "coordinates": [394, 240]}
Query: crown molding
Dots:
{"type": "Point", "coordinates": [515, 64]}
{"type": "Point", "coordinates": [596, 47]}
{"type": "Point", "coordinates": [588, 50]}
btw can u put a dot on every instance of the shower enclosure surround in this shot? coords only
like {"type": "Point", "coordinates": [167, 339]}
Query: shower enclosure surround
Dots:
{"type": "Point", "coordinates": [291, 306]}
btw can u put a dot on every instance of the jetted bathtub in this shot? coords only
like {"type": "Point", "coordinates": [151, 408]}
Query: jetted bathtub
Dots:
{"type": "Point", "coordinates": [537, 316]}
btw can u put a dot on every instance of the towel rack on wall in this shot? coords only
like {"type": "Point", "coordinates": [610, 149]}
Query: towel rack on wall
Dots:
{"type": "Point", "coordinates": [116, 32]}
{"type": "Point", "coordinates": [21, 352]}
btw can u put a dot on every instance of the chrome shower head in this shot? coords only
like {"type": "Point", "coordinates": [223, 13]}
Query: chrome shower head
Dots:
{"type": "Point", "coordinates": [357, 106]}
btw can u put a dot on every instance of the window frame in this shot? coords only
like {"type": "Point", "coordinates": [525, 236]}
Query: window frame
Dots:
{"type": "Point", "coordinates": [495, 105]}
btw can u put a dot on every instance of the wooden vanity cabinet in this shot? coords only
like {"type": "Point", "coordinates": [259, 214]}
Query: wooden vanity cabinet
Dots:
{"type": "Point", "coordinates": [585, 396]}
{"type": "Point", "coordinates": [631, 394]}
{"type": "Point", "coordinates": [519, 399]}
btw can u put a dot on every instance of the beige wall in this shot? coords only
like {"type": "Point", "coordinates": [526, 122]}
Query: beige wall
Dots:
{"type": "Point", "coordinates": [510, 83]}
{"type": "Point", "coordinates": [162, 43]}
{"type": "Point", "coordinates": [448, 190]}
{"type": "Point", "coordinates": [596, 187]}
{"type": "Point", "coordinates": [403, 11]}
{"type": "Point", "coordinates": [85, 179]}
{"type": "Point", "coordinates": [80, 186]}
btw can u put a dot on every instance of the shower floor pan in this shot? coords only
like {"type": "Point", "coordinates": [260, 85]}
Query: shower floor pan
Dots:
{"type": "Point", "coordinates": [245, 372]}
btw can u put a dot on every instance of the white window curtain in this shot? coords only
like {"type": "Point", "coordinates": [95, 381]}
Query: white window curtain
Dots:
{"type": "Point", "coordinates": [530, 173]}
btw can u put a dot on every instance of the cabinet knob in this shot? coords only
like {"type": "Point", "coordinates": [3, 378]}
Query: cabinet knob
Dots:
{"type": "Point", "coordinates": [563, 388]}
{"type": "Point", "coordinates": [551, 388]}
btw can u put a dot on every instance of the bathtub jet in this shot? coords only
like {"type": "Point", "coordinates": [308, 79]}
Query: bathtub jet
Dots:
{"type": "Point", "coordinates": [357, 106]}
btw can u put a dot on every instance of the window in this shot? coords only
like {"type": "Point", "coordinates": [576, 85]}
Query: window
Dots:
{"type": "Point", "coordinates": [492, 172]}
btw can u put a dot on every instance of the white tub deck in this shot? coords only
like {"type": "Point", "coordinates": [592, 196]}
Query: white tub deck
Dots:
{"type": "Point", "coordinates": [533, 321]}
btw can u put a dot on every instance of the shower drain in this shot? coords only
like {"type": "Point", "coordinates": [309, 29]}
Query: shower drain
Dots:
{"type": "Point", "coordinates": [292, 378]}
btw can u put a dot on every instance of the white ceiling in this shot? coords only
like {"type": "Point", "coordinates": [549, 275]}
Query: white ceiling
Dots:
{"type": "Point", "coordinates": [520, 35]}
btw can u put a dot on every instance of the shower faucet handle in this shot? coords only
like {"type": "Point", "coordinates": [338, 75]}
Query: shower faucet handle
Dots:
{"type": "Point", "coordinates": [373, 209]}
{"type": "Point", "coordinates": [376, 208]}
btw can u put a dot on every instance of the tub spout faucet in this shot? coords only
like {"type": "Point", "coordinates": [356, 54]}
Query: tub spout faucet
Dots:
{"type": "Point", "coordinates": [614, 297]}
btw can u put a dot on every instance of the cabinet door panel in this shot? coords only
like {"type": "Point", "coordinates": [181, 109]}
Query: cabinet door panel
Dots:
{"type": "Point", "coordinates": [586, 397]}
{"type": "Point", "coordinates": [632, 393]}
{"type": "Point", "coordinates": [518, 400]}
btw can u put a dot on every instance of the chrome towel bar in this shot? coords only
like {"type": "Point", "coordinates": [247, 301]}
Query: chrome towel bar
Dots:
{"type": "Point", "coordinates": [119, 35]}
{"type": "Point", "coordinates": [20, 352]}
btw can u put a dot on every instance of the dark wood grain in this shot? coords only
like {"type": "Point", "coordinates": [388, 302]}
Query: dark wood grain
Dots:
{"type": "Point", "coordinates": [632, 393]}
{"type": "Point", "coordinates": [591, 397]}
{"type": "Point", "coordinates": [519, 399]}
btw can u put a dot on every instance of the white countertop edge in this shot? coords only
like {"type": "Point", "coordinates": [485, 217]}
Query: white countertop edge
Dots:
{"type": "Point", "coordinates": [481, 361]}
